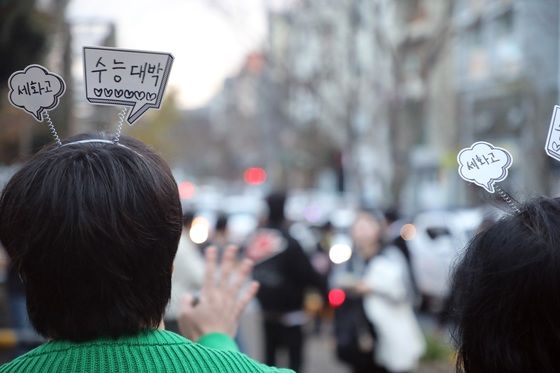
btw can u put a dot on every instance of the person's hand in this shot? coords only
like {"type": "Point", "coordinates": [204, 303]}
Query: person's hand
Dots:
{"type": "Point", "coordinates": [361, 288]}
{"type": "Point", "coordinates": [221, 300]}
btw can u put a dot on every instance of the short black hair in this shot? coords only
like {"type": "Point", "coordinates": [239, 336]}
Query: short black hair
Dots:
{"type": "Point", "coordinates": [221, 223]}
{"type": "Point", "coordinates": [391, 214]}
{"type": "Point", "coordinates": [93, 229]}
{"type": "Point", "coordinates": [276, 203]}
{"type": "Point", "coordinates": [507, 294]}
{"type": "Point", "coordinates": [188, 217]}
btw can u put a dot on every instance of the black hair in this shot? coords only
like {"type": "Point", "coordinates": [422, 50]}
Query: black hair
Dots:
{"type": "Point", "coordinates": [391, 214]}
{"type": "Point", "coordinates": [276, 202]}
{"type": "Point", "coordinates": [93, 229]}
{"type": "Point", "coordinates": [221, 223]}
{"type": "Point", "coordinates": [506, 293]}
{"type": "Point", "coordinates": [188, 218]}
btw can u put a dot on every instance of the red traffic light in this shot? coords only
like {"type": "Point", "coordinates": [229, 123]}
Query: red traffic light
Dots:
{"type": "Point", "coordinates": [337, 297]}
{"type": "Point", "coordinates": [186, 190]}
{"type": "Point", "coordinates": [254, 175]}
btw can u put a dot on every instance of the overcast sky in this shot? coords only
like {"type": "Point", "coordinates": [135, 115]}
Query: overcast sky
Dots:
{"type": "Point", "coordinates": [208, 44]}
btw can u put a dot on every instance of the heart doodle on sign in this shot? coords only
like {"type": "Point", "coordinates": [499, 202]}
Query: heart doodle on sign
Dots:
{"type": "Point", "coordinates": [98, 92]}
{"type": "Point", "coordinates": [108, 92]}
{"type": "Point", "coordinates": [140, 95]}
{"type": "Point", "coordinates": [151, 96]}
{"type": "Point", "coordinates": [119, 93]}
{"type": "Point", "coordinates": [128, 94]}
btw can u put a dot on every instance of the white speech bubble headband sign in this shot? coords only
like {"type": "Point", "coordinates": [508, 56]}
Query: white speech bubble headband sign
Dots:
{"type": "Point", "coordinates": [484, 164]}
{"type": "Point", "coordinates": [126, 77]}
{"type": "Point", "coordinates": [552, 146]}
{"type": "Point", "coordinates": [35, 90]}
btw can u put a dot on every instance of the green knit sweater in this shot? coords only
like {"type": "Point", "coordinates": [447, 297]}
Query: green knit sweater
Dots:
{"type": "Point", "coordinates": [152, 351]}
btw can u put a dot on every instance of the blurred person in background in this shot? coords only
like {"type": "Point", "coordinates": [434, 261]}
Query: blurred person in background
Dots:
{"type": "Point", "coordinates": [188, 273]}
{"type": "Point", "coordinates": [354, 333]}
{"type": "Point", "coordinates": [219, 237]}
{"type": "Point", "coordinates": [320, 256]}
{"type": "Point", "coordinates": [25, 335]}
{"type": "Point", "coordinates": [284, 273]}
{"type": "Point", "coordinates": [394, 237]}
{"type": "Point", "coordinates": [219, 240]}
{"type": "Point", "coordinates": [322, 264]}
{"type": "Point", "coordinates": [376, 328]}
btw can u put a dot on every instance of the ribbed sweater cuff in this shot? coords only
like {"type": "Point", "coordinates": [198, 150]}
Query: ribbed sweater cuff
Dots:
{"type": "Point", "coordinates": [219, 341]}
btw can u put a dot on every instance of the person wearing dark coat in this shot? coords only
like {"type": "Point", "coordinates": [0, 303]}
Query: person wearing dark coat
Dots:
{"type": "Point", "coordinates": [284, 272]}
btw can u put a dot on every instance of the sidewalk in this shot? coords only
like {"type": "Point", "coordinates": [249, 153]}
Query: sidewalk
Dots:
{"type": "Point", "coordinates": [320, 356]}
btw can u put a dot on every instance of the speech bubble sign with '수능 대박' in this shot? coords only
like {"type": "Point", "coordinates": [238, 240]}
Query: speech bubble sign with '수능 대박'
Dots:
{"type": "Point", "coordinates": [126, 77]}
{"type": "Point", "coordinates": [35, 90]}
{"type": "Point", "coordinates": [484, 164]}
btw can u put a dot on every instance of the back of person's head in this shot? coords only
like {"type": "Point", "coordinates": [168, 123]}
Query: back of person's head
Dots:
{"type": "Point", "coordinates": [93, 229]}
{"type": "Point", "coordinates": [276, 202]}
{"type": "Point", "coordinates": [507, 294]}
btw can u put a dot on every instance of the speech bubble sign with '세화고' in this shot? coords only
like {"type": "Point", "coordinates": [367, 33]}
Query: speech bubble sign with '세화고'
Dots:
{"type": "Point", "coordinates": [126, 77]}
{"type": "Point", "coordinates": [35, 90]}
{"type": "Point", "coordinates": [484, 164]}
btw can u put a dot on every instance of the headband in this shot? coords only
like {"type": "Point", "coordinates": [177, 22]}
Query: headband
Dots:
{"type": "Point", "coordinates": [118, 77]}
{"type": "Point", "coordinates": [486, 165]}
{"type": "Point", "coordinates": [100, 141]}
